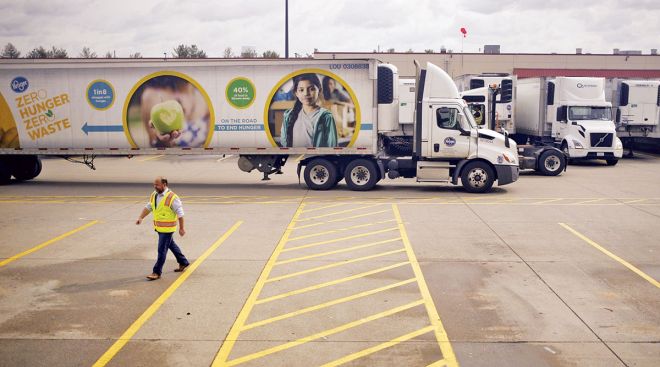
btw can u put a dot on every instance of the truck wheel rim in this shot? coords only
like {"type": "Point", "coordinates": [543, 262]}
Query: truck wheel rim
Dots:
{"type": "Point", "coordinates": [477, 177]}
{"type": "Point", "coordinates": [319, 175]}
{"type": "Point", "coordinates": [552, 163]}
{"type": "Point", "coordinates": [360, 175]}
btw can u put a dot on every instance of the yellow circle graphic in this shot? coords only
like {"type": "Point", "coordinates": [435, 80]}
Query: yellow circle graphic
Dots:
{"type": "Point", "coordinates": [290, 76]}
{"type": "Point", "coordinates": [168, 73]}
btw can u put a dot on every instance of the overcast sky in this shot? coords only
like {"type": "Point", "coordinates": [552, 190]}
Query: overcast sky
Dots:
{"type": "Point", "coordinates": [153, 27]}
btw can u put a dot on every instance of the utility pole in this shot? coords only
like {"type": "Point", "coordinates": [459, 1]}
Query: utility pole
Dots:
{"type": "Point", "coordinates": [286, 29]}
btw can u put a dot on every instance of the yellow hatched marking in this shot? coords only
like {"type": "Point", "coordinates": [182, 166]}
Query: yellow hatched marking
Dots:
{"type": "Point", "coordinates": [322, 334]}
{"type": "Point", "coordinates": [327, 304]}
{"type": "Point", "coordinates": [378, 348]}
{"type": "Point", "coordinates": [340, 230]}
{"type": "Point", "coordinates": [223, 354]}
{"type": "Point", "coordinates": [634, 201]}
{"type": "Point", "coordinates": [439, 363]}
{"type": "Point", "coordinates": [546, 201]}
{"type": "Point", "coordinates": [331, 283]}
{"type": "Point", "coordinates": [299, 158]}
{"type": "Point", "coordinates": [342, 219]}
{"type": "Point", "coordinates": [339, 212]}
{"type": "Point", "coordinates": [325, 207]}
{"type": "Point", "coordinates": [621, 261]}
{"type": "Point", "coordinates": [44, 244]}
{"type": "Point", "coordinates": [339, 239]}
{"type": "Point", "coordinates": [439, 330]}
{"type": "Point", "coordinates": [333, 265]}
{"type": "Point", "coordinates": [135, 327]}
{"type": "Point", "coordinates": [371, 244]}
{"type": "Point", "coordinates": [590, 201]}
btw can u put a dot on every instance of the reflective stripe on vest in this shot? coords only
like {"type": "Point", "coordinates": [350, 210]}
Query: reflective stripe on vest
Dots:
{"type": "Point", "coordinates": [165, 219]}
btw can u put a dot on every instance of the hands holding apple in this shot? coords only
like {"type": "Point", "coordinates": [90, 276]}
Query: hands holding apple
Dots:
{"type": "Point", "coordinates": [167, 121]}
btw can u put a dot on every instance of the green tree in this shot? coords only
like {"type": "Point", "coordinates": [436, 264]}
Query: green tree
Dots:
{"type": "Point", "coordinates": [429, 51]}
{"type": "Point", "coordinates": [228, 53]}
{"type": "Point", "coordinates": [188, 52]}
{"type": "Point", "coordinates": [37, 53]}
{"type": "Point", "coordinates": [57, 53]}
{"type": "Point", "coordinates": [248, 53]}
{"type": "Point", "coordinates": [109, 55]}
{"type": "Point", "coordinates": [270, 55]}
{"type": "Point", "coordinates": [10, 52]}
{"type": "Point", "coordinates": [136, 55]}
{"type": "Point", "coordinates": [87, 53]}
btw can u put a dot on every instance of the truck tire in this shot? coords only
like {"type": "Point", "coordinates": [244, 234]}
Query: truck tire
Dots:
{"type": "Point", "coordinates": [551, 163]}
{"type": "Point", "coordinates": [361, 175]}
{"type": "Point", "coordinates": [320, 174]}
{"type": "Point", "coordinates": [26, 167]}
{"type": "Point", "coordinates": [477, 177]}
{"type": "Point", "coordinates": [612, 162]}
{"type": "Point", "coordinates": [5, 172]}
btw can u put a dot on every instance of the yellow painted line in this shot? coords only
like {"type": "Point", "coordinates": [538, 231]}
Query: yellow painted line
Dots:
{"type": "Point", "coordinates": [378, 348]}
{"type": "Point", "coordinates": [353, 248]}
{"type": "Point", "coordinates": [340, 230]}
{"type": "Point", "coordinates": [327, 304]}
{"type": "Point", "coordinates": [44, 244]}
{"type": "Point", "coordinates": [339, 212]}
{"type": "Point", "coordinates": [589, 201]}
{"type": "Point", "coordinates": [151, 158]}
{"type": "Point", "coordinates": [223, 354]}
{"type": "Point", "coordinates": [299, 158]}
{"type": "Point", "coordinates": [342, 219]}
{"type": "Point", "coordinates": [439, 330]}
{"type": "Point", "coordinates": [322, 334]}
{"type": "Point", "coordinates": [325, 207]}
{"type": "Point", "coordinates": [223, 158]}
{"type": "Point", "coordinates": [331, 283]}
{"type": "Point", "coordinates": [339, 239]}
{"type": "Point", "coordinates": [611, 255]}
{"type": "Point", "coordinates": [137, 324]}
{"type": "Point", "coordinates": [547, 201]}
{"type": "Point", "coordinates": [634, 201]}
{"type": "Point", "coordinates": [440, 363]}
{"type": "Point", "coordinates": [333, 265]}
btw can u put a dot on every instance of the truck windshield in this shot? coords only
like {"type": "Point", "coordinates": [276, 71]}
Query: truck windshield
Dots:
{"type": "Point", "coordinates": [590, 113]}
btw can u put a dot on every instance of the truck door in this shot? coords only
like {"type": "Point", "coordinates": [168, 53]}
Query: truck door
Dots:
{"type": "Point", "coordinates": [449, 138]}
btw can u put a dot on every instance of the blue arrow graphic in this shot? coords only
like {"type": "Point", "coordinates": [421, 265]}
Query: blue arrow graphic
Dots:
{"type": "Point", "coordinates": [101, 128]}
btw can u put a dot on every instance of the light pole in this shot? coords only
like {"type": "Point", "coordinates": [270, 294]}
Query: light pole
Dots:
{"type": "Point", "coordinates": [286, 29]}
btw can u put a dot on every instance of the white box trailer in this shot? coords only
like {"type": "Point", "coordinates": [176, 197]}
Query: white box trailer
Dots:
{"type": "Point", "coordinates": [570, 113]}
{"type": "Point", "coordinates": [636, 105]}
{"type": "Point", "coordinates": [504, 100]}
{"type": "Point", "coordinates": [342, 115]}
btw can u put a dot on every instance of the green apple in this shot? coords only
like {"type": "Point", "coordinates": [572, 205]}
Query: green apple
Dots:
{"type": "Point", "coordinates": [167, 116]}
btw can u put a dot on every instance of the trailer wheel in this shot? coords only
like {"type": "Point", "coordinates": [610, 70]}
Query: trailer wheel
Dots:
{"type": "Point", "coordinates": [612, 162]}
{"type": "Point", "coordinates": [320, 174]}
{"type": "Point", "coordinates": [26, 167]}
{"type": "Point", "coordinates": [361, 175]}
{"type": "Point", "coordinates": [477, 177]}
{"type": "Point", "coordinates": [5, 172]}
{"type": "Point", "coordinates": [551, 163]}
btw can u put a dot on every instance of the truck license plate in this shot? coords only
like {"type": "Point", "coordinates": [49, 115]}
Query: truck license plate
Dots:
{"type": "Point", "coordinates": [600, 154]}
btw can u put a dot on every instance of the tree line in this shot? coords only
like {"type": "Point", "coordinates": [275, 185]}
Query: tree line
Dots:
{"type": "Point", "coordinates": [179, 52]}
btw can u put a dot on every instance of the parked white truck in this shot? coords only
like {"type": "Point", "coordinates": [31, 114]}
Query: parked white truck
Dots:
{"type": "Point", "coordinates": [636, 105]}
{"type": "Point", "coordinates": [569, 112]}
{"type": "Point", "coordinates": [342, 115]}
{"type": "Point", "coordinates": [478, 85]}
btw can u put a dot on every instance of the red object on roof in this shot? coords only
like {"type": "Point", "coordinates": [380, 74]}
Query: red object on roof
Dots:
{"type": "Point", "coordinates": [599, 73]}
{"type": "Point", "coordinates": [464, 31]}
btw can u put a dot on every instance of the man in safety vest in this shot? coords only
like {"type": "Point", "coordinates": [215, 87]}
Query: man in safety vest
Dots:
{"type": "Point", "coordinates": [167, 209]}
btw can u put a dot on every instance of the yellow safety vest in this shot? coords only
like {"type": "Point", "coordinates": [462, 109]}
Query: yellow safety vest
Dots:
{"type": "Point", "coordinates": [164, 217]}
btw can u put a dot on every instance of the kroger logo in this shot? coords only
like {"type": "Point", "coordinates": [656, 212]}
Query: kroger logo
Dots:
{"type": "Point", "coordinates": [450, 142]}
{"type": "Point", "coordinates": [19, 84]}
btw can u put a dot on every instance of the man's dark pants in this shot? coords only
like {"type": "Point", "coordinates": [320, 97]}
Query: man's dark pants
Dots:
{"type": "Point", "coordinates": [166, 242]}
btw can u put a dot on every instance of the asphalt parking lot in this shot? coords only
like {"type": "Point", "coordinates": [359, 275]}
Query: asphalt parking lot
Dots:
{"type": "Point", "coordinates": [548, 271]}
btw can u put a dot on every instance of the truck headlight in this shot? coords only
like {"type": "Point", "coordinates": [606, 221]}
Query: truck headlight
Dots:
{"type": "Point", "coordinates": [577, 144]}
{"type": "Point", "coordinates": [618, 145]}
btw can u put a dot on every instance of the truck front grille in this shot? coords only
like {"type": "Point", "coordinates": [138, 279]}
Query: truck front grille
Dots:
{"type": "Point", "coordinates": [601, 140]}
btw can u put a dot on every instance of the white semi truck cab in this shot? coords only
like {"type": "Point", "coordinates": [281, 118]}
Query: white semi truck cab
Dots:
{"type": "Point", "coordinates": [502, 115]}
{"type": "Point", "coordinates": [570, 112]}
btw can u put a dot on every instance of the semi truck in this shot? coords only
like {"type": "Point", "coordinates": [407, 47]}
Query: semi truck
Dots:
{"type": "Point", "coordinates": [570, 113]}
{"type": "Point", "coordinates": [636, 107]}
{"type": "Point", "coordinates": [484, 102]}
{"type": "Point", "coordinates": [472, 84]}
{"type": "Point", "coordinates": [343, 116]}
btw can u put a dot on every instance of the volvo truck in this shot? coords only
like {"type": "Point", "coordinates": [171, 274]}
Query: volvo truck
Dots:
{"type": "Point", "coordinates": [636, 107]}
{"type": "Point", "coordinates": [570, 113]}
{"type": "Point", "coordinates": [343, 116]}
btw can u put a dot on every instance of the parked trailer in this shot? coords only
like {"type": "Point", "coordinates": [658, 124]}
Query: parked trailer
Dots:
{"type": "Point", "coordinates": [504, 101]}
{"type": "Point", "coordinates": [342, 115]}
{"type": "Point", "coordinates": [636, 105]}
{"type": "Point", "coordinates": [570, 113]}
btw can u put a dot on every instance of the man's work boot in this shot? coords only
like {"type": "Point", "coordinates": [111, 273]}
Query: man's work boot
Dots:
{"type": "Point", "coordinates": [153, 276]}
{"type": "Point", "coordinates": [181, 268]}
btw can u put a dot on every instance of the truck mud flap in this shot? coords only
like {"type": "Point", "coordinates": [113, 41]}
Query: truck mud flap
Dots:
{"type": "Point", "coordinates": [506, 174]}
